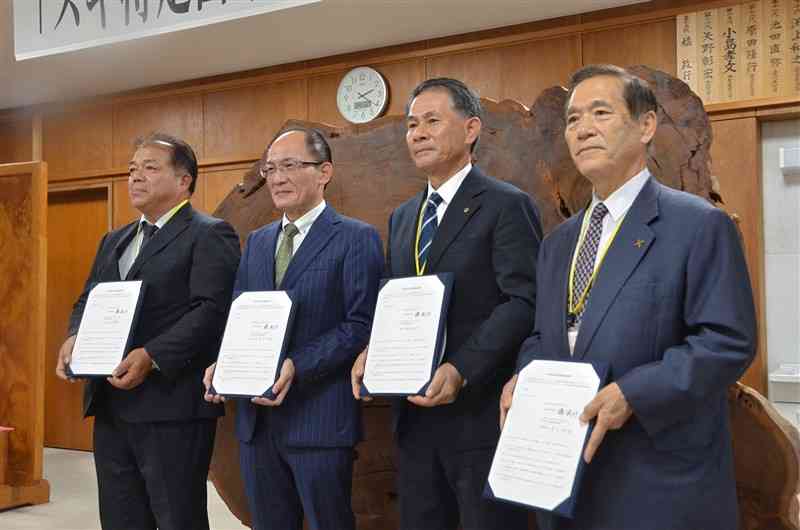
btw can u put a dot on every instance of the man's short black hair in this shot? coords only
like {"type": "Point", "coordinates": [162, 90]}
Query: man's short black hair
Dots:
{"type": "Point", "coordinates": [464, 101]}
{"type": "Point", "coordinates": [639, 98]}
{"type": "Point", "coordinates": [182, 155]}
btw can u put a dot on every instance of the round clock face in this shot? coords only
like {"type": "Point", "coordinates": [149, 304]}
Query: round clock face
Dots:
{"type": "Point", "coordinates": [362, 95]}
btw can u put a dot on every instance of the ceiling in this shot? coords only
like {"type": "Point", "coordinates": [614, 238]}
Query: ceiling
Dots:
{"type": "Point", "coordinates": [328, 28]}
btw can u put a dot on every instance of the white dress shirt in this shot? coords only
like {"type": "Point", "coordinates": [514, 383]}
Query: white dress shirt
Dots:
{"type": "Point", "coordinates": [303, 225]}
{"type": "Point", "coordinates": [129, 256]}
{"type": "Point", "coordinates": [448, 190]}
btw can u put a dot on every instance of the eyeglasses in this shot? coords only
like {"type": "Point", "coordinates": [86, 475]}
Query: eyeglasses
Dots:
{"type": "Point", "coordinates": [287, 165]}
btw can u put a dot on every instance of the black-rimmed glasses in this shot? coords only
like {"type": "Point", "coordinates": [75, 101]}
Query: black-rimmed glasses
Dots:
{"type": "Point", "coordinates": [287, 165]}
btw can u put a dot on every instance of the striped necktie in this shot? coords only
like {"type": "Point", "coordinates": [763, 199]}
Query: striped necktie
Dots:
{"type": "Point", "coordinates": [428, 230]}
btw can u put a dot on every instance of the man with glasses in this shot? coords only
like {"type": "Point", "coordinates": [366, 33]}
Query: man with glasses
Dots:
{"type": "Point", "coordinates": [153, 435]}
{"type": "Point", "coordinates": [296, 451]}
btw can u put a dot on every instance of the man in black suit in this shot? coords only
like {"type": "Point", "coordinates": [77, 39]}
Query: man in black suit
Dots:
{"type": "Point", "coordinates": [487, 233]}
{"type": "Point", "coordinates": [153, 433]}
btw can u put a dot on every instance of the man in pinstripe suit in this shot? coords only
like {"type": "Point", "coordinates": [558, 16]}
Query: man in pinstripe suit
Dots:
{"type": "Point", "coordinates": [297, 450]}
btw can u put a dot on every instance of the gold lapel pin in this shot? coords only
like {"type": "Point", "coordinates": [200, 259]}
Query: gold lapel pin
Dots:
{"type": "Point", "coordinates": [639, 243]}
{"type": "Point", "coordinates": [466, 210]}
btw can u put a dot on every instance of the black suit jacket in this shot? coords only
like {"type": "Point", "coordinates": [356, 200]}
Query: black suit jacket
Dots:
{"type": "Point", "coordinates": [489, 239]}
{"type": "Point", "coordinates": [188, 269]}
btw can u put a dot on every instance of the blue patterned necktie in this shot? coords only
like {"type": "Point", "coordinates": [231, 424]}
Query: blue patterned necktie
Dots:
{"type": "Point", "coordinates": [584, 264]}
{"type": "Point", "coordinates": [428, 230]}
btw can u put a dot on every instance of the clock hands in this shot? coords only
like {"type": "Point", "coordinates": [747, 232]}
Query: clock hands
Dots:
{"type": "Point", "coordinates": [364, 95]}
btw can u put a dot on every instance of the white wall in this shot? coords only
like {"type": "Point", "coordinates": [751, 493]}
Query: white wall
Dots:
{"type": "Point", "coordinates": [781, 247]}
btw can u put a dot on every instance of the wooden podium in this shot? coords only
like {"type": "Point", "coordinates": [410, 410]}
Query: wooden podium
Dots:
{"type": "Point", "coordinates": [23, 290]}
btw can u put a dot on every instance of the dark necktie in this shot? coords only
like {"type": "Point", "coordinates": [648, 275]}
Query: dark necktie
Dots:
{"type": "Point", "coordinates": [148, 231]}
{"type": "Point", "coordinates": [584, 264]}
{"type": "Point", "coordinates": [285, 252]}
{"type": "Point", "coordinates": [428, 231]}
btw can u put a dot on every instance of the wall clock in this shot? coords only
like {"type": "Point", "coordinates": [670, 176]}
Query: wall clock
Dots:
{"type": "Point", "coordinates": [363, 95]}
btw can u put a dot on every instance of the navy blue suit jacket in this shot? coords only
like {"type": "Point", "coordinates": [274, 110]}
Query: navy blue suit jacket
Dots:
{"type": "Point", "coordinates": [488, 238]}
{"type": "Point", "coordinates": [672, 312]}
{"type": "Point", "coordinates": [334, 276]}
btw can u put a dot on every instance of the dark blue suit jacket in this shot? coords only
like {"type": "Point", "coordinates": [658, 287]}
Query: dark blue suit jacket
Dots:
{"type": "Point", "coordinates": [488, 239]}
{"type": "Point", "coordinates": [334, 276]}
{"type": "Point", "coordinates": [672, 312]}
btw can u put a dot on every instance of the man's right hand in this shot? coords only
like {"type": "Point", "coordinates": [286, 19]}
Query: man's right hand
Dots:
{"type": "Point", "coordinates": [64, 358]}
{"type": "Point", "coordinates": [207, 378]}
{"type": "Point", "coordinates": [357, 375]}
{"type": "Point", "coordinates": [506, 398]}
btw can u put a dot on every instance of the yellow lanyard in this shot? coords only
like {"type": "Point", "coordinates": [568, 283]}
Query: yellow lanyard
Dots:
{"type": "Point", "coordinates": [420, 267]}
{"type": "Point", "coordinates": [167, 217]}
{"type": "Point", "coordinates": [576, 306]}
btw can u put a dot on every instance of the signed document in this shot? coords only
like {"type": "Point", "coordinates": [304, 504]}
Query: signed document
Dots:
{"type": "Point", "coordinates": [253, 344]}
{"type": "Point", "coordinates": [108, 320]}
{"type": "Point", "coordinates": [407, 334]}
{"type": "Point", "coordinates": [539, 455]}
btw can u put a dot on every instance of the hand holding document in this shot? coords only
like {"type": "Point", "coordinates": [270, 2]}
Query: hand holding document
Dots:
{"type": "Point", "coordinates": [253, 345]}
{"type": "Point", "coordinates": [538, 458]}
{"type": "Point", "coordinates": [108, 320]}
{"type": "Point", "coordinates": [407, 338]}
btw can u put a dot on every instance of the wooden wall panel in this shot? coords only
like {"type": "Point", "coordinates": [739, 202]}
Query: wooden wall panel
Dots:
{"type": "Point", "coordinates": [77, 221]}
{"type": "Point", "coordinates": [651, 44]}
{"type": "Point", "coordinates": [736, 153]}
{"type": "Point", "coordinates": [16, 141]}
{"type": "Point", "coordinates": [181, 116]}
{"type": "Point", "coordinates": [77, 141]}
{"type": "Point", "coordinates": [219, 183]}
{"type": "Point", "coordinates": [241, 122]}
{"type": "Point", "coordinates": [517, 72]}
{"type": "Point", "coordinates": [401, 77]}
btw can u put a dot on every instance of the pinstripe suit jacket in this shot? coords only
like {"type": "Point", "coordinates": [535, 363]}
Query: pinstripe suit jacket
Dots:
{"type": "Point", "coordinates": [334, 276]}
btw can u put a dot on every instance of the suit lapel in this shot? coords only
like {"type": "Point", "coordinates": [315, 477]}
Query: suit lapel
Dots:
{"type": "Point", "coordinates": [563, 253]}
{"type": "Point", "coordinates": [162, 238]}
{"type": "Point", "coordinates": [269, 258]}
{"type": "Point", "coordinates": [407, 234]}
{"type": "Point", "coordinates": [465, 203]}
{"type": "Point", "coordinates": [128, 234]}
{"type": "Point", "coordinates": [322, 230]}
{"type": "Point", "coordinates": [629, 247]}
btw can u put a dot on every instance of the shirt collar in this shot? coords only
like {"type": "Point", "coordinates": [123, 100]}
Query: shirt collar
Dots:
{"type": "Point", "coordinates": [304, 222]}
{"type": "Point", "coordinates": [448, 190]}
{"type": "Point", "coordinates": [161, 221]}
{"type": "Point", "coordinates": [619, 202]}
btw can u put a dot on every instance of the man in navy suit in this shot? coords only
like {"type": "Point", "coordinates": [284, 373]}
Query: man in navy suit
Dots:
{"type": "Point", "coordinates": [486, 232]}
{"type": "Point", "coordinates": [153, 435]}
{"type": "Point", "coordinates": [652, 281]}
{"type": "Point", "coordinates": [297, 450]}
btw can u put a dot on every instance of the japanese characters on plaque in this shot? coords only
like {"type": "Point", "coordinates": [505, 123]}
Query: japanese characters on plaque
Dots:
{"type": "Point", "coordinates": [740, 52]}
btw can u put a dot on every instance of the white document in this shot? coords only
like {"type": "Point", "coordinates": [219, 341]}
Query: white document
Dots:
{"type": "Point", "coordinates": [247, 364]}
{"type": "Point", "coordinates": [402, 347]}
{"type": "Point", "coordinates": [105, 328]}
{"type": "Point", "coordinates": [542, 440]}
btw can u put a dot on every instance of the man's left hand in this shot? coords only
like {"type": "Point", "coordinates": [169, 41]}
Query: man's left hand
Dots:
{"type": "Point", "coordinates": [611, 409]}
{"type": "Point", "coordinates": [444, 388]}
{"type": "Point", "coordinates": [281, 386]}
{"type": "Point", "coordinates": [132, 371]}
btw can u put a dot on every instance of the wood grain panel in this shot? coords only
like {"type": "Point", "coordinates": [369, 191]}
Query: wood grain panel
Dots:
{"type": "Point", "coordinates": [123, 213]}
{"type": "Point", "coordinates": [77, 141]}
{"type": "Point", "coordinates": [16, 141]}
{"type": "Point", "coordinates": [736, 154]}
{"type": "Point", "coordinates": [244, 120]}
{"type": "Point", "coordinates": [401, 77]}
{"type": "Point", "coordinates": [23, 290]}
{"type": "Point", "coordinates": [652, 44]}
{"type": "Point", "coordinates": [77, 221]}
{"type": "Point", "coordinates": [181, 116]}
{"type": "Point", "coordinates": [517, 72]}
{"type": "Point", "coordinates": [218, 184]}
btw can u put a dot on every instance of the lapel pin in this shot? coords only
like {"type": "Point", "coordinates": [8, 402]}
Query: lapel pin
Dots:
{"type": "Point", "coordinates": [466, 210]}
{"type": "Point", "coordinates": [639, 243]}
